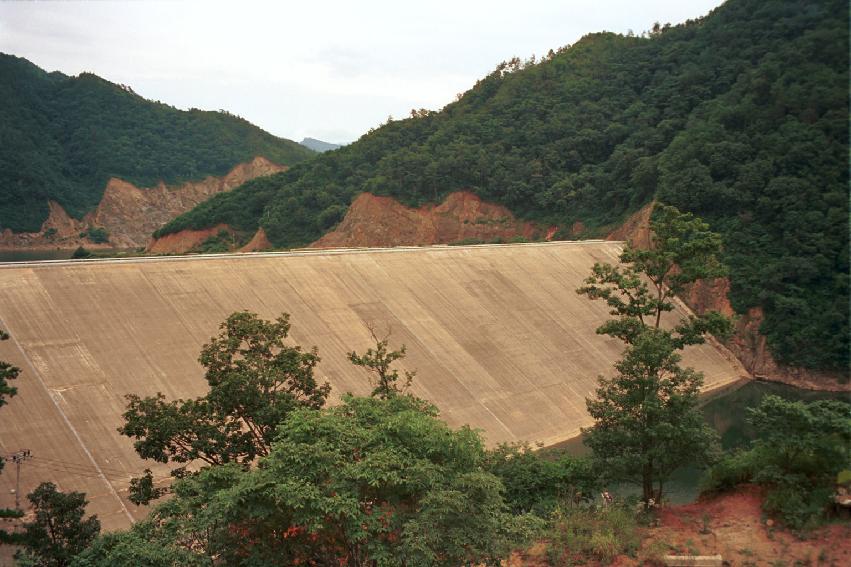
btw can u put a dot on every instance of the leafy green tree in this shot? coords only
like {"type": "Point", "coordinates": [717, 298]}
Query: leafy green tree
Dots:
{"type": "Point", "coordinates": [138, 547]}
{"type": "Point", "coordinates": [81, 252]}
{"type": "Point", "coordinates": [369, 482]}
{"type": "Point", "coordinates": [58, 532]}
{"type": "Point", "coordinates": [255, 382]}
{"type": "Point", "coordinates": [465, 523]}
{"type": "Point", "coordinates": [378, 361]}
{"type": "Point", "coordinates": [646, 419]}
{"type": "Point", "coordinates": [640, 290]}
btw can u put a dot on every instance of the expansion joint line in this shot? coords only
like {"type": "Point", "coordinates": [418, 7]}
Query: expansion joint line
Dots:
{"type": "Point", "coordinates": [68, 423]}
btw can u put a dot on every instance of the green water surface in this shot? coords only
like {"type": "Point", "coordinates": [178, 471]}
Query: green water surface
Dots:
{"type": "Point", "coordinates": [727, 413]}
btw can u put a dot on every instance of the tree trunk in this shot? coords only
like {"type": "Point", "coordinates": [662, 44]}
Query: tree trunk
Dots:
{"type": "Point", "coordinates": [647, 483]}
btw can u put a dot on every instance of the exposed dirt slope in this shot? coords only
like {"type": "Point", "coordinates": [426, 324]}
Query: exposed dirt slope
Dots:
{"type": "Point", "coordinates": [373, 221]}
{"type": "Point", "coordinates": [130, 214]}
{"type": "Point", "coordinates": [751, 347]}
{"type": "Point", "coordinates": [184, 241]}
{"type": "Point", "coordinates": [735, 530]}
{"type": "Point", "coordinates": [738, 532]}
{"type": "Point", "coordinates": [258, 242]}
{"type": "Point", "coordinates": [636, 228]}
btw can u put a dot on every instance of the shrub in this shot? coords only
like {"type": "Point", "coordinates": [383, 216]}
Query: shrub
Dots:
{"type": "Point", "coordinates": [95, 234]}
{"type": "Point", "coordinates": [731, 471]}
{"type": "Point", "coordinates": [81, 252]}
{"type": "Point", "coordinates": [535, 481]}
{"type": "Point", "coordinates": [224, 241]}
{"type": "Point", "coordinates": [799, 451]}
{"type": "Point", "coordinates": [587, 533]}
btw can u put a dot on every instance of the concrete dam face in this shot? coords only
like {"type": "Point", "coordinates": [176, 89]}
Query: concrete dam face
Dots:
{"type": "Point", "coordinates": [497, 335]}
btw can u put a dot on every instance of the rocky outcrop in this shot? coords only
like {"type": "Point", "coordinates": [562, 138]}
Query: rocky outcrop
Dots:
{"type": "Point", "coordinates": [750, 346]}
{"type": "Point", "coordinates": [130, 214]}
{"type": "Point", "coordinates": [383, 221]}
{"type": "Point", "coordinates": [185, 240]}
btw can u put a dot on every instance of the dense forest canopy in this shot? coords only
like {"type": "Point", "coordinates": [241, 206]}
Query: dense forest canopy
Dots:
{"type": "Point", "coordinates": [63, 137]}
{"type": "Point", "coordinates": [740, 117]}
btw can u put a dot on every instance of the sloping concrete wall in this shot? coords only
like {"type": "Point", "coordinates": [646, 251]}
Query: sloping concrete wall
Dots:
{"type": "Point", "coordinates": [497, 334]}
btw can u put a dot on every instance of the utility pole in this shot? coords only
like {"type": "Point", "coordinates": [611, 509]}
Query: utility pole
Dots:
{"type": "Point", "coordinates": [18, 458]}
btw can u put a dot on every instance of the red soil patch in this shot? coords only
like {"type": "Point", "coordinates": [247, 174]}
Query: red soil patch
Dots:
{"type": "Point", "coordinates": [736, 530]}
{"type": "Point", "coordinates": [739, 533]}
{"type": "Point", "coordinates": [258, 242]}
{"type": "Point", "coordinates": [636, 229]}
{"type": "Point", "coordinates": [383, 221]}
{"type": "Point", "coordinates": [185, 240]}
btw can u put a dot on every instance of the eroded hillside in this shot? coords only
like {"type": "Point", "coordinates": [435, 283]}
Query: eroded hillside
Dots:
{"type": "Point", "coordinates": [130, 214]}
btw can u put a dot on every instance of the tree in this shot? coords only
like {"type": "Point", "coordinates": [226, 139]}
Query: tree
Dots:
{"type": "Point", "coordinates": [255, 382]}
{"type": "Point", "coordinates": [646, 419]}
{"type": "Point", "coordinates": [647, 422]}
{"type": "Point", "coordinates": [682, 251]}
{"type": "Point", "coordinates": [137, 547]}
{"type": "Point", "coordinates": [58, 532]}
{"type": "Point", "coordinates": [369, 482]}
{"type": "Point", "coordinates": [378, 362]}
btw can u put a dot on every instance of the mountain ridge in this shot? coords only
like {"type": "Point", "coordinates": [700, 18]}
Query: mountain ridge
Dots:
{"type": "Point", "coordinates": [62, 138]}
{"type": "Point", "coordinates": [739, 117]}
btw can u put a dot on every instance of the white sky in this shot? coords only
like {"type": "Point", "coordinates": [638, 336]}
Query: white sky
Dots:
{"type": "Point", "coordinates": [325, 69]}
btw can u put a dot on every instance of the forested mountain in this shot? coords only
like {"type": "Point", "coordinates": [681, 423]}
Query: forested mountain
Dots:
{"type": "Point", "coordinates": [740, 117]}
{"type": "Point", "coordinates": [63, 137]}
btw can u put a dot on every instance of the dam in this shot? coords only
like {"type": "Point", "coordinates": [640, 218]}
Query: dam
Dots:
{"type": "Point", "coordinates": [496, 333]}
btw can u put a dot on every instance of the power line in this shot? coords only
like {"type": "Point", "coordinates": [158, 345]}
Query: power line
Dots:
{"type": "Point", "coordinates": [57, 462]}
{"type": "Point", "coordinates": [91, 473]}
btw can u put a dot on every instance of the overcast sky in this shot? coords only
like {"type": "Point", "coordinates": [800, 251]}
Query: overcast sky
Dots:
{"type": "Point", "coordinates": [325, 69]}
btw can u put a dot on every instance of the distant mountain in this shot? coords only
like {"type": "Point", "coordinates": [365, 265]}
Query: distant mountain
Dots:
{"type": "Point", "coordinates": [740, 117]}
{"type": "Point", "coordinates": [62, 138]}
{"type": "Point", "coordinates": [319, 145]}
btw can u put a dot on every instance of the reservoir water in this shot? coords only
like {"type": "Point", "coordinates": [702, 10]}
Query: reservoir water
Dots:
{"type": "Point", "coordinates": [32, 255]}
{"type": "Point", "coordinates": [727, 413]}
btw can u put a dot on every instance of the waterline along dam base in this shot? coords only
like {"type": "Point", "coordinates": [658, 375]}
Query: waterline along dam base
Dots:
{"type": "Point", "coordinates": [497, 335]}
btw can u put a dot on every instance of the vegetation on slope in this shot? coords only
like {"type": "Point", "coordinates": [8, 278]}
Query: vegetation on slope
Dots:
{"type": "Point", "coordinates": [740, 117]}
{"type": "Point", "coordinates": [62, 137]}
{"type": "Point", "coordinates": [799, 455]}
